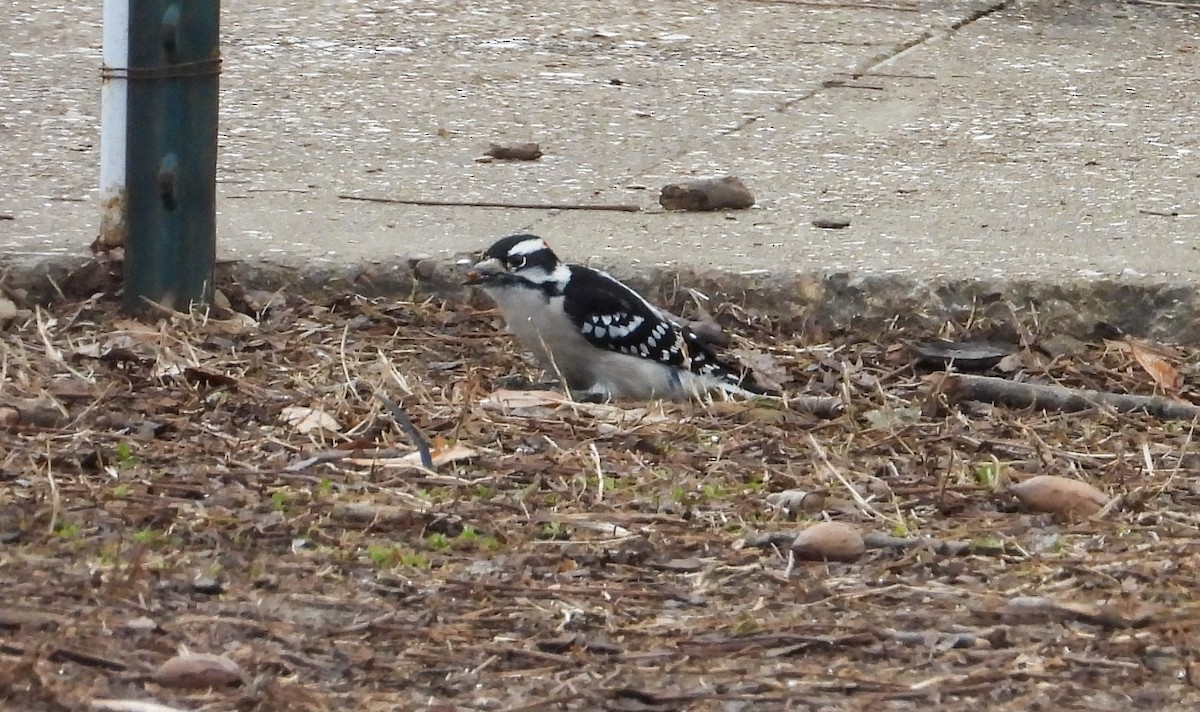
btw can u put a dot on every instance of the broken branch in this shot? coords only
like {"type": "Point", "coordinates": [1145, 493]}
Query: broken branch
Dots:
{"type": "Point", "coordinates": [1001, 391]}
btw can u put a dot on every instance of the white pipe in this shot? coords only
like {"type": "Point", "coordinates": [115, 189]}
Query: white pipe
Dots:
{"type": "Point", "coordinates": [114, 92]}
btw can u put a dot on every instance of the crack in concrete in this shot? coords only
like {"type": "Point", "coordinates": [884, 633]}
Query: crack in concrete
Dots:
{"type": "Point", "coordinates": [826, 83]}
{"type": "Point", "coordinates": [891, 55]}
{"type": "Point", "coordinates": [929, 35]}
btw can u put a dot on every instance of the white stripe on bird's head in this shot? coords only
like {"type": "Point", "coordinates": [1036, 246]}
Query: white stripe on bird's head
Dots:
{"type": "Point", "coordinates": [528, 247]}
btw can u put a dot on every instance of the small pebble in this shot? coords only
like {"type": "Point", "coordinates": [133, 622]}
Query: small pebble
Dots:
{"type": "Point", "coordinates": [706, 194]}
{"type": "Point", "coordinates": [425, 269]}
{"type": "Point", "coordinates": [831, 223]}
{"type": "Point", "coordinates": [515, 151]}
{"type": "Point", "coordinates": [198, 670]}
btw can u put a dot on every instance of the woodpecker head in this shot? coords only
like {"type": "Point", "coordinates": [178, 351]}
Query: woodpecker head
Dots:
{"type": "Point", "coordinates": [517, 260]}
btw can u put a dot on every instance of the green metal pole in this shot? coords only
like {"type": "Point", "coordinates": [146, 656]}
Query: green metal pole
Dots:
{"type": "Point", "coordinates": [171, 158]}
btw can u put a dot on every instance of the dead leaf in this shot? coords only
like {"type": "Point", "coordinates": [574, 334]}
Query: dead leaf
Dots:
{"type": "Point", "coordinates": [1155, 363]}
{"type": "Point", "coordinates": [893, 418]}
{"type": "Point", "coordinates": [135, 330]}
{"type": "Point", "coordinates": [208, 377]}
{"type": "Point", "coordinates": [504, 399]}
{"type": "Point", "coordinates": [132, 706]}
{"type": "Point", "coordinates": [443, 455]}
{"type": "Point", "coordinates": [552, 405]}
{"type": "Point", "coordinates": [8, 310]}
{"type": "Point", "coordinates": [1012, 362]}
{"type": "Point", "coordinates": [763, 366]}
{"type": "Point", "coordinates": [306, 420]}
{"type": "Point", "coordinates": [237, 323]}
{"type": "Point", "coordinates": [169, 364]}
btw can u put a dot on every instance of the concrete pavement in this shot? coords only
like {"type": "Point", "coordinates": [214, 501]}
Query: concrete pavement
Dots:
{"type": "Point", "coordinates": [1042, 139]}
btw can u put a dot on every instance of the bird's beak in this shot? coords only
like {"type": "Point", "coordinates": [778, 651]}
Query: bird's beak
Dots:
{"type": "Point", "coordinates": [483, 271]}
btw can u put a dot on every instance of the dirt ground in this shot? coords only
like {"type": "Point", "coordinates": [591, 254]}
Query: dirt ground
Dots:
{"type": "Point", "coordinates": [219, 512]}
{"type": "Point", "coordinates": [232, 486]}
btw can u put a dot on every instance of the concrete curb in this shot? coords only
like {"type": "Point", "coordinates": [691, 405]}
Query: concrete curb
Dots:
{"type": "Point", "coordinates": [863, 303]}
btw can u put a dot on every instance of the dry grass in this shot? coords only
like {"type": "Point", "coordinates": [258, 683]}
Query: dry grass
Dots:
{"type": "Point", "coordinates": [214, 485]}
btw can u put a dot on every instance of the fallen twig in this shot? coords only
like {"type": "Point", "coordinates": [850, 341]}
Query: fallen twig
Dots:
{"type": "Point", "coordinates": [891, 75]}
{"type": "Point", "coordinates": [1041, 608]}
{"type": "Point", "coordinates": [370, 512]}
{"type": "Point", "coordinates": [847, 84]}
{"type": "Point", "coordinates": [1001, 391]}
{"type": "Point", "coordinates": [1165, 3]}
{"type": "Point", "coordinates": [496, 204]}
{"type": "Point", "coordinates": [60, 655]}
{"type": "Point", "coordinates": [846, 5]}
{"type": "Point", "coordinates": [418, 440]}
{"type": "Point", "coordinates": [1161, 213]}
{"type": "Point", "coordinates": [335, 455]}
{"type": "Point", "coordinates": [32, 411]}
{"type": "Point", "coordinates": [517, 651]}
{"type": "Point", "coordinates": [877, 540]}
{"type": "Point", "coordinates": [863, 504]}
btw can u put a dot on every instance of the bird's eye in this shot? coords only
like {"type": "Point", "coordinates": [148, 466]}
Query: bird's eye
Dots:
{"type": "Point", "coordinates": [516, 261]}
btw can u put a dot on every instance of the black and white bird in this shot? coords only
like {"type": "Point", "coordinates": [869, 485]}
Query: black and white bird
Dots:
{"type": "Point", "coordinates": [598, 335]}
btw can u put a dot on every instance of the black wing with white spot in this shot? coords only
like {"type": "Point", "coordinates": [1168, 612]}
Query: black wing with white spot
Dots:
{"type": "Point", "coordinates": [612, 316]}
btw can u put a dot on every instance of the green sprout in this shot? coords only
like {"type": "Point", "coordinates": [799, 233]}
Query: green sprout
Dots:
{"type": "Point", "coordinates": [146, 537]}
{"type": "Point", "coordinates": [67, 530]}
{"type": "Point", "coordinates": [414, 559]}
{"type": "Point", "coordinates": [125, 456]}
{"type": "Point", "coordinates": [382, 555]}
{"type": "Point", "coordinates": [552, 530]}
{"type": "Point", "coordinates": [987, 473]}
